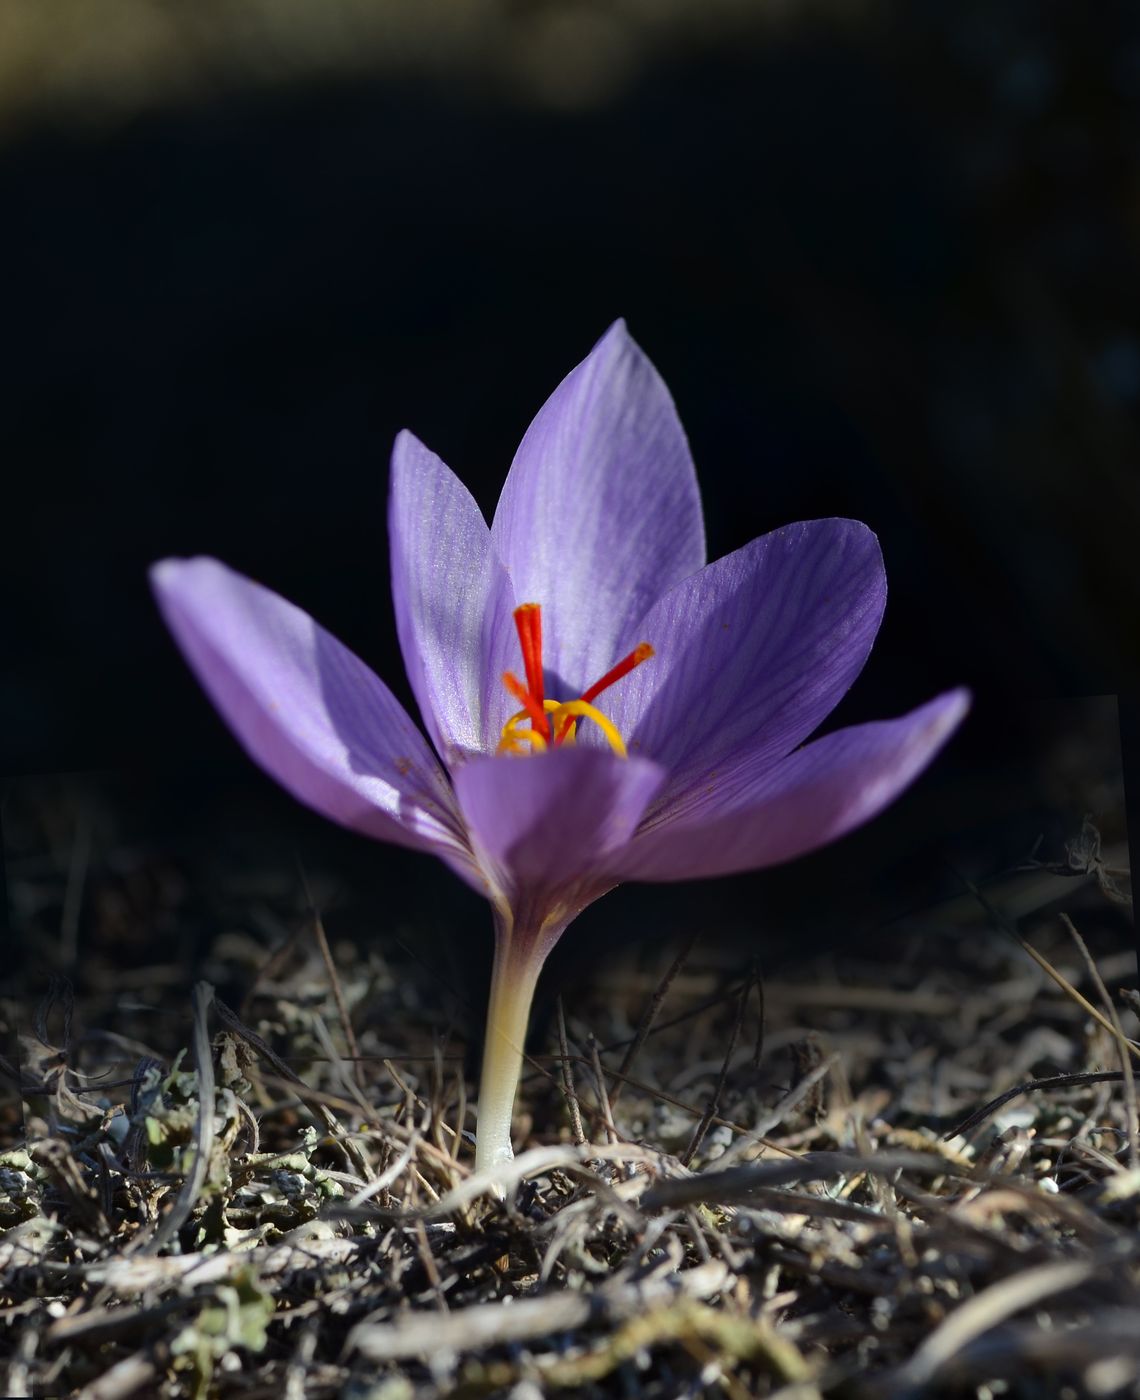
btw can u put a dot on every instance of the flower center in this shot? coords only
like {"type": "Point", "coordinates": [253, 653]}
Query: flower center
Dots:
{"type": "Point", "coordinates": [552, 721]}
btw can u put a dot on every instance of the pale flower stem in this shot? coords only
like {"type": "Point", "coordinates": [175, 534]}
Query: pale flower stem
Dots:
{"type": "Point", "coordinates": [513, 980]}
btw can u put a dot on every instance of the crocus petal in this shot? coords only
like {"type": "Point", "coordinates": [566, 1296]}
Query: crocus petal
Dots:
{"type": "Point", "coordinates": [453, 603]}
{"type": "Point", "coordinates": [753, 814]}
{"type": "Point", "coordinates": [309, 711]}
{"type": "Point", "coordinates": [543, 826]}
{"type": "Point", "coordinates": [753, 652]}
{"type": "Point", "coordinates": [600, 512]}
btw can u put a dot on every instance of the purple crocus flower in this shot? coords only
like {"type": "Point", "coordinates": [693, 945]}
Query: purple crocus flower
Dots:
{"type": "Point", "coordinates": [592, 582]}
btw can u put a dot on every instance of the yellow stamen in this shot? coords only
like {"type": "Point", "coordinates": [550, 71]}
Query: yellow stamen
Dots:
{"type": "Point", "coordinates": [564, 718]}
{"type": "Point", "coordinates": [511, 734]}
{"type": "Point", "coordinates": [553, 722]}
{"type": "Point", "coordinates": [583, 709]}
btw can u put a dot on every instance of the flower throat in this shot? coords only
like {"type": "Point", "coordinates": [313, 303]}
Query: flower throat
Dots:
{"type": "Point", "coordinates": [554, 722]}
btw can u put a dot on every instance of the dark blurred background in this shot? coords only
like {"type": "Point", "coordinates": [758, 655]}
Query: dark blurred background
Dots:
{"type": "Point", "coordinates": [885, 255]}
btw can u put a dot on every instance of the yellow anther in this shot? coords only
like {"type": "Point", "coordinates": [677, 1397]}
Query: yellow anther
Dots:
{"type": "Point", "coordinates": [553, 723]}
{"type": "Point", "coordinates": [584, 710]}
{"type": "Point", "coordinates": [512, 736]}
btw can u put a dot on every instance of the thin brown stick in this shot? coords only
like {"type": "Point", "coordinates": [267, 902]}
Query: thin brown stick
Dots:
{"type": "Point", "coordinates": [268, 970]}
{"type": "Point", "coordinates": [649, 1015]}
{"type": "Point", "coordinates": [350, 1081]}
{"type": "Point", "coordinates": [195, 1178]}
{"type": "Point", "coordinates": [319, 1101]}
{"type": "Point", "coordinates": [714, 1103]}
{"type": "Point", "coordinates": [603, 1095]}
{"type": "Point", "coordinates": [758, 1049]}
{"type": "Point", "coordinates": [460, 1114]}
{"type": "Point", "coordinates": [1054, 1081]}
{"type": "Point", "coordinates": [984, 1311]}
{"type": "Point", "coordinates": [1066, 986]}
{"type": "Point", "coordinates": [334, 979]}
{"type": "Point", "coordinates": [1007, 924]}
{"type": "Point", "coordinates": [737, 1128]}
{"type": "Point", "coordinates": [431, 1268]}
{"type": "Point", "coordinates": [1129, 1080]}
{"type": "Point", "coordinates": [725, 994]}
{"type": "Point", "coordinates": [572, 1105]}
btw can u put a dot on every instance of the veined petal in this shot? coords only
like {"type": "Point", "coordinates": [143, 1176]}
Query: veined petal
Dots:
{"type": "Point", "coordinates": [600, 512]}
{"type": "Point", "coordinates": [453, 603]}
{"type": "Point", "coordinates": [753, 652]}
{"type": "Point", "coordinates": [544, 826]}
{"type": "Point", "coordinates": [753, 814]}
{"type": "Point", "coordinates": [309, 711]}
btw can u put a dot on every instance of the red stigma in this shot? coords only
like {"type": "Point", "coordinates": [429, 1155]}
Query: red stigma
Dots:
{"type": "Point", "coordinates": [528, 624]}
{"type": "Point", "coordinates": [529, 704]}
{"type": "Point", "coordinates": [642, 652]}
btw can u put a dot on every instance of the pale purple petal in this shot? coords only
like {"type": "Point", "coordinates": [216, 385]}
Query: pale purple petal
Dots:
{"type": "Point", "coordinates": [309, 711]}
{"type": "Point", "coordinates": [752, 814]}
{"type": "Point", "coordinates": [453, 603]}
{"type": "Point", "coordinates": [543, 826]}
{"type": "Point", "coordinates": [753, 652]}
{"type": "Point", "coordinates": [600, 513]}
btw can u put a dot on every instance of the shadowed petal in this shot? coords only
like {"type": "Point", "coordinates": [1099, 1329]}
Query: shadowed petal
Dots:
{"type": "Point", "coordinates": [753, 652]}
{"type": "Point", "coordinates": [309, 711]}
{"type": "Point", "coordinates": [600, 513]}
{"type": "Point", "coordinates": [754, 814]}
{"type": "Point", "coordinates": [543, 826]}
{"type": "Point", "coordinates": [453, 603]}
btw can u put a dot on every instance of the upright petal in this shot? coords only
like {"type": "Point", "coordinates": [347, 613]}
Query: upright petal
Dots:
{"type": "Point", "coordinates": [544, 827]}
{"type": "Point", "coordinates": [754, 814]}
{"type": "Point", "coordinates": [600, 512]}
{"type": "Point", "coordinates": [309, 711]}
{"type": "Point", "coordinates": [453, 603]}
{"type": "Point", "coordinates": [753, 652]}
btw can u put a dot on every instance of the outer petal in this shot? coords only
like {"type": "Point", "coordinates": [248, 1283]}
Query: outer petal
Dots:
{"type": "Point", "coordinates": [600, 512]}
{"type": "Point", "coordinates": [453, 603]}
{"type": "Point", "coordinates": [754, 814]}
{"type": "Point", "coordinates": [755, 651]}
{"type": "Point", "coordinates": [545, 826]}
{"type": "Point", "coordinates": [309, 711]}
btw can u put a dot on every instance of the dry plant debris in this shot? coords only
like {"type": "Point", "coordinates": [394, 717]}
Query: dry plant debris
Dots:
{"type": "Point", "coordinates": [729, 1185]}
